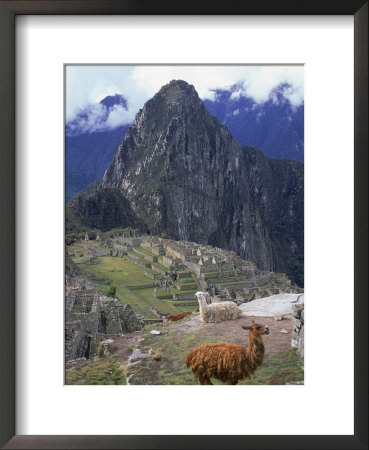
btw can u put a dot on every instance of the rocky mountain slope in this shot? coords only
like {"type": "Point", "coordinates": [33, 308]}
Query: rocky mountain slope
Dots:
{"type": "Point", "coordinates": [102, 209]}
{"type": "Point", "coordinates": [185, 175]}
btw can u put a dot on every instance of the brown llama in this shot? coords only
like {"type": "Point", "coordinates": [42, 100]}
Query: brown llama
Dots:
{"type": "Point", "coordinates": [229, 362]}
{"type": "Point", "coordinates": [179, 316]}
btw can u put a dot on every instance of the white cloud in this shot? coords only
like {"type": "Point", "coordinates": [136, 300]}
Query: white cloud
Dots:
{"type": "Point", "coordinates": [119, 116]}
{"type": "Point", "coordinates": [88, 84]}
{"type": "Point", "coordinates": [263, 79]}
{"type": "Point", "coordinates": [237, 94]}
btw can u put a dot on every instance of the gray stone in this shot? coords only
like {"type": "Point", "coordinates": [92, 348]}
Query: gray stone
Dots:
{"type": "Point", "coordinates": [278, 317]}
{"type": "Point", "coordinates": [137, 355]}
{"type": "Point", "coordinates": [300, 347]}
{"type": "Point", "coordinates": [107, 317]}
{"type": "Point", "coordinates": [296, 309]}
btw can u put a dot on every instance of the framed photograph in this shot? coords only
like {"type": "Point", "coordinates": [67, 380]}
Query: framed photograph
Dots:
{"type": "Point", "coordinates": [128, 254]}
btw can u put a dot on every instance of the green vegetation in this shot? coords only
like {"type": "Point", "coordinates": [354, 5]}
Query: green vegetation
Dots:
{"type": "Point", "coordinates": [144, 250]}
{"type": "Point", "coordinates": [102, 209]}
{"type": "Point", "coordinates": [79, 309]}
{"type": "Point", "coordinates": [100, 351]}
{"type": "Point", "coordinates": [183, 291]}
{"type": "Point", "coordinates": [112, 290]}
{"type": "Point", "coordinates": [288, 368]}
{"type": "Point", "coordinates": [173, 347]}
{"type": "Point", "coordinates": [167, 366]}
{"type": "Point", "coordinates": [160, 266]}
{"type": "Point", "coordinates": [101, 371]}
{"type": "Point", "coordinates": [74, 231]}
{"type": "Point", "coordinates": [116, 232]}
{"type": "Point", "coordinates": [120, 273]}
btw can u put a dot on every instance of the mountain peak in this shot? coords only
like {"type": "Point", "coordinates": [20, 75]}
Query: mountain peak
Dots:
{"type": "Point", "coordinates": [181, 84]}
{"type": "Point", "coordinates": [111, 100]}
{"type": "Point", "coordinates": [178, 90]}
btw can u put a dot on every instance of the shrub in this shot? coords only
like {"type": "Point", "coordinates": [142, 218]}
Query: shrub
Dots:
{"type": "Point", "coordinates": [112, 291]}
{"type": "Point", "coordinates": [100, 351]}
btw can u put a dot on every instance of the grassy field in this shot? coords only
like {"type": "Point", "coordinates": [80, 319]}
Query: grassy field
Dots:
{"type": "Point", "coordinates": [120, 273]}
{"type": "Point", "coordinates": [101, 371]}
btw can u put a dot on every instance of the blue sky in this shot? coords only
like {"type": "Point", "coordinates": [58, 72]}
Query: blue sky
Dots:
{"type": "Point", "coordinates": [88, 84]}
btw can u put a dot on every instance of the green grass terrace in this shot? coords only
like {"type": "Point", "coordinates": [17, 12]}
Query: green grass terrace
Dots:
{"type": "Point", "coordinates": [107, 270]}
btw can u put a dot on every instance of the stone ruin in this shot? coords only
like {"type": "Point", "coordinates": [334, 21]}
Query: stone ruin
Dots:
{"type": "Point", "coordinates": [91, 318]}
{"type": "Point", "coordinates": [180, 268]}
{"type": "Point", "coordinates": [154, 245]}
{"type": "Point", "coordinates": [223, 273]}
{"type": "Point", "coordinates": [298, 320]}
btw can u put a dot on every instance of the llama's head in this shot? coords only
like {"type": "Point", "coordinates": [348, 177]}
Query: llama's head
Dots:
{"type": "Point", "coordinates": [257, 329]}
{"type": "Point", "coordinates": [200, 294]}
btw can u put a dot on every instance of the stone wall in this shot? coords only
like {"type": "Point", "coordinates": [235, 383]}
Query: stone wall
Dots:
{"type": "Point", "coordinates": [298, 319]}
{"type": "Point", "coordinates": [107, 317]}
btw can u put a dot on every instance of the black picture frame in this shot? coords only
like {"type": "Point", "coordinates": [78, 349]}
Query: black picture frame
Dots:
{"type": "Point", "coordinates": [8, 12]}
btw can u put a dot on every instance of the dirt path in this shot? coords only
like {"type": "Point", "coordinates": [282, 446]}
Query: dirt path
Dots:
{"type": "Point", "coordinates": [231, 331]}
{"type": "Point", "coordinates": [122, 347]}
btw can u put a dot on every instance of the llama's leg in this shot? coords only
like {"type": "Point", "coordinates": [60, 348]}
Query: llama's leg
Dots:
{"type": "Point", "coordinates": [203, 379]}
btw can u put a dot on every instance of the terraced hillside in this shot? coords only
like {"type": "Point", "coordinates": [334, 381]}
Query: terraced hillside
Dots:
{"type": "Point", "coordinates": [133, 279]}
{"type": "Point", "coordinates": [158, 277]}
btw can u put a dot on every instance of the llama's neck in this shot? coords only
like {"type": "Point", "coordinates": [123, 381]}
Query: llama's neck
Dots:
{"type": "Point", "coordinates": [203, 308]}
{"type": "Point", "coordinates": [202, 303]}
{"type": "Point", "coordinates": [255, 350]}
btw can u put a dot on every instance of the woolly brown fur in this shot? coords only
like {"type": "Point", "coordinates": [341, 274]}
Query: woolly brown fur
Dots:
{"type": "Point", "coordinates": [228, 362]}
{"type": "Point", "coordinates": [179, 316]}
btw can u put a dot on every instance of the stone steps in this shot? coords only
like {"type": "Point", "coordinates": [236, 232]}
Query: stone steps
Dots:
{"type": "Point", "coordinates": [138, 262]}
{"type": "Point", "coordinates": [185, 287]}
{"type": "Point", "coordinates": [158, 269]}
{"type": "Point", "coordinates": [184, 295]}
{"type": "Point", "coordinates": [184, 274]}
{"type": "Point", "coordinates": [235, 285]}
{"type": "Point", "coordinates": [153, 276]}
{"type": "Point", "coordinates": [133, 255]}
{"type": "Point", "coordinates": [146, 256]}
{"type": "Point", "coordinates": [231, 280]}
{"type": "Point", "coordinates": [213, 275]}
{"type": "Point", "coordinates": [165, 297]}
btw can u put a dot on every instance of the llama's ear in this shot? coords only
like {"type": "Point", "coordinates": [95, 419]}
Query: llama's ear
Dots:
{"type": "Point", "coordinates": [246, 327]}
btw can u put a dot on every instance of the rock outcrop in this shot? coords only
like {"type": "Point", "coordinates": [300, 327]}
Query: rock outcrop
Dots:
{"type": "Point", "coordinates": [298, 331]}
{"type": "Point", "coordinates": [90, 318]}
{"type": "Point", "coordinates": [103, 209]}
